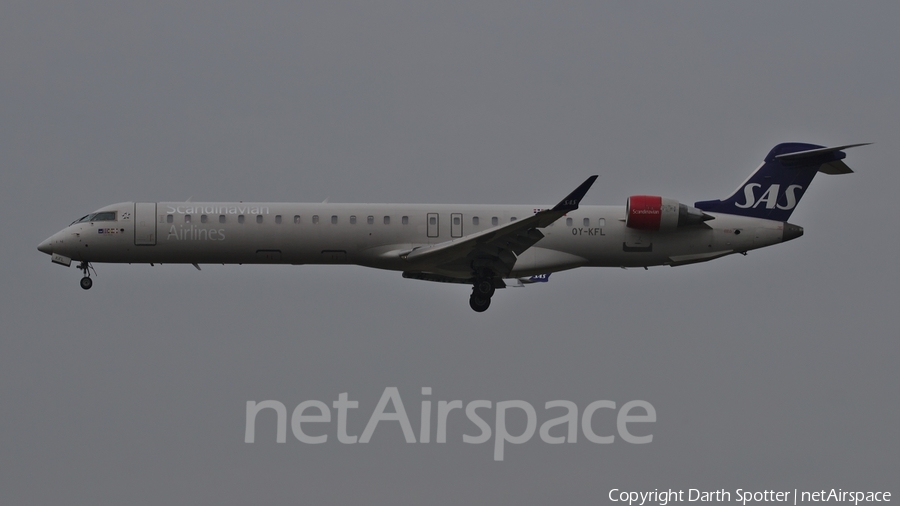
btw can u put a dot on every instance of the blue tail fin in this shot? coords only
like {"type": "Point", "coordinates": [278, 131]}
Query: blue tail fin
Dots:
{"type": "Point", "coordinates": [774, 190]}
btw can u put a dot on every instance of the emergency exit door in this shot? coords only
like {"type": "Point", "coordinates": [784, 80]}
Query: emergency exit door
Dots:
{"type": "Point", "coordinates": [456, 225]}
{"type": "Point", "coordinates": [433, 225]}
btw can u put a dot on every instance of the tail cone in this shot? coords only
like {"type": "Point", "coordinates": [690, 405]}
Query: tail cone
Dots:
{"type": "Point", "coordinates": [791, 232]}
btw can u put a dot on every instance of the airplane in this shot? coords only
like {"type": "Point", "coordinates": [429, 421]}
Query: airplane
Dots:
{"type": "Point", "coordinates": [477, 245]}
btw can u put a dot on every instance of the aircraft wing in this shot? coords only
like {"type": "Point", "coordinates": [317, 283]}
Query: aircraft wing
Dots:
{"type": "Point", "coordinates": [496, 248]}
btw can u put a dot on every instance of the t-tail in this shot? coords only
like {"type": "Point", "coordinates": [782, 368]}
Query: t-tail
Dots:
{"type": "Point", "coordinates": [774, 190]}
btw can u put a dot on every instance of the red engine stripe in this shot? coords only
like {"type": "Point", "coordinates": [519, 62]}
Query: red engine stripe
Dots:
{"type": "Point", "coordinates": [644, 212]}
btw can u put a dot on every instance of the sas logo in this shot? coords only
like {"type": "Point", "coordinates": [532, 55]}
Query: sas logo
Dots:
{"type": "Point", "coordinates": [770, 197]}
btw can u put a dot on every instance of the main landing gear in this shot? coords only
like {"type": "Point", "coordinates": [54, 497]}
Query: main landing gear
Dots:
{"type": "Point", "coordinates": [482, 290]}
{"type": "Point", "coordinates": [86, 282]}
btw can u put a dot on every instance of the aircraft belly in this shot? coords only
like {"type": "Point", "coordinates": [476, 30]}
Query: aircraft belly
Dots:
{"type": "Point", "coordinates": [537, 260]}
{"type": "Point", "coordinates": [619, 246]}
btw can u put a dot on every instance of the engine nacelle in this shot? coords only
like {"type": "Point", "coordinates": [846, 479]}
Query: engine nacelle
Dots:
{"type": "Point", "coordinates": [649, 212]}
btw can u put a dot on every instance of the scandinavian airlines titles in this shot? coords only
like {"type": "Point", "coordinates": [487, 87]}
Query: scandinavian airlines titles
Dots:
{"type": "Point", "coordinates": [770, 197]}
{"type": "Point", "coordinates": [217, 209]}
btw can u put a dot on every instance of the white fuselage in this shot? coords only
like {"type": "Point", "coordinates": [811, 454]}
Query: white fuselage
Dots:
{"type": "Point", "coordinates": [378, 235]}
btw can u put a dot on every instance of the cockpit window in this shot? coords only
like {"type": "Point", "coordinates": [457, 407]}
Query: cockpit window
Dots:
{"type": "Point", "coordinates": [105, 216]}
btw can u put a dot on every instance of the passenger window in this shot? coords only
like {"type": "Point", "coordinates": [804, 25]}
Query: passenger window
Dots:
{"type": "Point", "coordinates": [334, 219]}
{"type": "Point", "coordinates": [568, 222]}
{"type": "Point", "coordinates": [240, 218]}
{"type": "Point", "coordinates": [221, 218]}
{"type": "Point", "coordinates": [432, 221]}
{"type": "Point", "coordinates": [315, 219]}
{"type": "Point", "coordinates": [456, 220]}
{"type": "Point", "coordinates": [495, 221]}
{"type": "Point", "coordinates": [169, 218]}
{"type": "Point", "coordinates": [405, 220]}
{"type": "Point", "coordinates": [187, 218]}
{"type": "Point", "coordinates": [602, 222]}
{"type": "Point", "coordinates": [474, 220]}
{"type": "Point", "coordinates": [387, 220]}
{"type": "Point", "coordinates": [370, 220]}
{"type": "Point", "coordinates": [296, 219]}
{"type": "Point", "coordinates": [513, 218]}
{"type": "Point", "coordinates": [353, 220]}
{"type": "Point", "coordinates": [587, 222]}
{"type": "Point", "coordinates": [259, 218]}
{"type": "Point", "coordinates": [203, 218]}
{"type": "Point", "coordinates": [278, 219]}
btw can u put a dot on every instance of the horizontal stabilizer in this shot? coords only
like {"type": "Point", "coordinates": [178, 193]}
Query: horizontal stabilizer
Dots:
{"type": "Point", "coordinates": [816, 152]}
{"type": "Point", "coordinates": [829, 165]}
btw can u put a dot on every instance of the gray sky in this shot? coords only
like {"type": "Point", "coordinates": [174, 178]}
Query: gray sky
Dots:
{"type": "Point", "coordinates": [771, 371]}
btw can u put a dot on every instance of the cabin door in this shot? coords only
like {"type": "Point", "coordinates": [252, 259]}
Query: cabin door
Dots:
{"type": "Point", "coordinates": [145, 223]}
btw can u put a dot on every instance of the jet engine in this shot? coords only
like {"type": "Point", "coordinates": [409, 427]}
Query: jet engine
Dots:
{"type": "Point", "coordinates": [649, 212]}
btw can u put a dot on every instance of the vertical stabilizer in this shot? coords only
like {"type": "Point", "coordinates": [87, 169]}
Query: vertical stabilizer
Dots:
{"type": "Point", "coordinates": [775, 189]}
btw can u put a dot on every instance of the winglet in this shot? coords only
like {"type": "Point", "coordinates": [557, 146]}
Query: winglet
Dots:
{"type": "Point", "coordinates": [570, 203]}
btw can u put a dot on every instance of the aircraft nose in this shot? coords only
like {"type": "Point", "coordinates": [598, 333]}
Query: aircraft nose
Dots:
{"type": "Point", "coordinates": [44, 247]}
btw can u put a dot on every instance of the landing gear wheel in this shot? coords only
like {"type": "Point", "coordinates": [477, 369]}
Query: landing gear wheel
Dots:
{"type": "Point", "coordinates": [479, 304]}
{"type": "Point", "coordinates": [484, 288]}
{"type": "Point", "coordinates": [86, 268]}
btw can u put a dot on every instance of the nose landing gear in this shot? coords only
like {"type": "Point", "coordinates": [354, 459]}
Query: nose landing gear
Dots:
{"type": "Point", "coordinates": [86, 282]}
